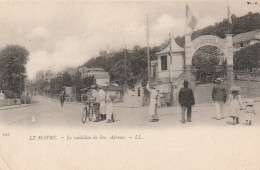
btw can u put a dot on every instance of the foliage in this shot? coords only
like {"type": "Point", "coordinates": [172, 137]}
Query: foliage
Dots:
{"type": "Point", "coordinates": [242, 24]}
{"type": "Point", "coordinates": [136, 65]}
{"type": "Point", "coordinates": [12, 69]}
{"type": "Point", "coordinates": [207, 58]}
{"type": "Point", "coordinates": [247, 58]}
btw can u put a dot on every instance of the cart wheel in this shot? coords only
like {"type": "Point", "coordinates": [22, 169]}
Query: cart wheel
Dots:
{"type": "Point", "coordinates": [84, 115]}
{"type": "Point", "coordinates": [90, 113]}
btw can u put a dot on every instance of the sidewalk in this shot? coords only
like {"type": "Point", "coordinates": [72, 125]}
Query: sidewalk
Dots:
{"type": "Point", "coordinates": [14, 106]}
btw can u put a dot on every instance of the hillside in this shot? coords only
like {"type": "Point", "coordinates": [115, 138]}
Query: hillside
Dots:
{"type": "Point", "coordinates": [136, 66]}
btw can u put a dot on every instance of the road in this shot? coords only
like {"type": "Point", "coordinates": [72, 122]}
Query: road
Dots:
{"type": "Point", "coordinates": [205, 143]}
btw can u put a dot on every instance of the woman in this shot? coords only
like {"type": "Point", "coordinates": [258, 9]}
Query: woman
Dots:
{"type": "Point", "coordinates": [109, 107]}
{"type": "Point", "coordinates": [153, 106]}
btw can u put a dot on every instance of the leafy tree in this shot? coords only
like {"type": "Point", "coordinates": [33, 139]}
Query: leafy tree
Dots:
{"type": "Point", "coordinates": [13, 59]}
{"type": "Point", "coordinates": [247, 58]}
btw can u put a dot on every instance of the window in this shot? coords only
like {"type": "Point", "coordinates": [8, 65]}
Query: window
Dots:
{"type": "Point", "coordinates": [164, 62]}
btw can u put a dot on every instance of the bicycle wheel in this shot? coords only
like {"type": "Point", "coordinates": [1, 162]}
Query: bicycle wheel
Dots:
{"type": "Point", "coordinates": [90, 113]}
{"type": "Point", "coordinates": [84, 115]}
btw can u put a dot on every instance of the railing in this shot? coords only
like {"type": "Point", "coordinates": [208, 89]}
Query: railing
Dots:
{"type": "Point", "coordinates": [9, 102]}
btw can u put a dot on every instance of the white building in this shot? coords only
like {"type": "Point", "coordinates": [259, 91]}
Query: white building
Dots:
{"type": "Point", "coordinates": [246, 39]}
{"type": "Point", "coordinates": [169, 66]}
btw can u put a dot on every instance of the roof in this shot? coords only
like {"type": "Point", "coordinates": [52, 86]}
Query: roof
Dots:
{"type": "Point", "coordinates": [174, 48]}
{"type": "Point", "coordinates": [252, 35]}
{"type": "Point", "coordinates": [104, 75]}
{"type": "Point", "coordinates": [112, 87]}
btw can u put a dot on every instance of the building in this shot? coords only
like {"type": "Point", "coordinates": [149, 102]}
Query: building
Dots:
{"type": "Point", "coordinates": [103, 53]}
{"type": "Point", "coordinates": [246, 39]}
{"type": "Point", "coordinates": [168, 66]}
{"type": "Point", "coordinates": [101, 76]}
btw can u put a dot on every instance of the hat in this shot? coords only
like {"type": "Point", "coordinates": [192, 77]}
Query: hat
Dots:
{"type": "Point", "coordinates": [218, 80]}
{"type": "Point", "coordinates": [93, 86]}
{"type": "Point", "coordinates": [235, 88]}
{"type": "Point", "coordinates": [185, 82]}
{"type": "Point", "coordinates": [249, 102]}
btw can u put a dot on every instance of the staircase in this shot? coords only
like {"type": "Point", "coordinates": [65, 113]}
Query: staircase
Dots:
{"type": "Point", "coordinates": [203, 93]}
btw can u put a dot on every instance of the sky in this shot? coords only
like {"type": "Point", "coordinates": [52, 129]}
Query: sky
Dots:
{"type": "Point", "coordinates": [60, 34]}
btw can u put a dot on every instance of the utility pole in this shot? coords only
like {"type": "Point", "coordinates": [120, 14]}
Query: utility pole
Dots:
{"type": "Point", "coordinates": [20, 86]}
{"type": "Point", "coordinates": [125, 61]}
{"type": "Point", "coordinates": [148, 55]}
{"type": "Point", "coordinates": [170, 73]}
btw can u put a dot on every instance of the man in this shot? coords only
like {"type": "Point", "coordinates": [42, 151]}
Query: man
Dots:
{"type": "Point", "coordinates": [62, 97]}
{"type": "Point", "coordinates": [96, 102]}
{"type": "Point", "coordinates": [102, 98]}
{"type": "Point", "coordinates": [153, 107]}
{"type": "Point", "coordinates": [219, 96]}
{"type": "Point", "coordinates": [186, 100]}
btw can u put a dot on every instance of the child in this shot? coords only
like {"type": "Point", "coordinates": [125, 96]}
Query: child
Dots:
{"type": "Point", "coordinates": [250, 111]}
{"type": "Point", "coordinates": [235, 104]}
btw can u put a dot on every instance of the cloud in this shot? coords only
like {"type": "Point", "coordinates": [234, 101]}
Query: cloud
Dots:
{"type": "Point", "coordinates": [67, 54]}
{"type": "Point", "coordinates": [39, 32]}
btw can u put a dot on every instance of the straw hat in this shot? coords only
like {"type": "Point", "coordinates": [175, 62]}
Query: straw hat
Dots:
{"type": "Point", "coordinates": [218, 80]}
{"type": "Point", "coordinates": [235, 88]}
{"type": "Point", "coordinates": [249, 102]}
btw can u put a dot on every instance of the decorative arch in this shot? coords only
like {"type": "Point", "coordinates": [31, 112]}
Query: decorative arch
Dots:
{"type": "Point", "coordinates": [225, 45]}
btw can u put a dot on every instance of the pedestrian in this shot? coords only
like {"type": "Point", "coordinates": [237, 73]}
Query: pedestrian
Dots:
{"type": "Point", "coordinates": [102, 108]}
{"type": "Point", "coordinates": [168, 99]}
{"type": "Point", "coordinates": [235, 104]}
{"type": "Point", "coordinates": [62, 97]}
{"type": "Point", "coordinates": [219, 96]}
{"type": "Point", "coordinates": [250, 111]}
{"type": "Point", "coordinates": [109, 107]}
{"type": "Point", "coordinates": [186, 100]}
{"type": "Point", "coordinates": [96, 102]}
{"type": "Point", "coordinates": [139, 92]}
{"type": "Point", "coordinates": [153, 105]}
{"type": "Point", "coordinates": [159, 99]}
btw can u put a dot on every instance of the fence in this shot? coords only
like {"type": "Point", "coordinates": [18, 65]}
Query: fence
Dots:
{"type": "Point", "coordinates": [9, 102]}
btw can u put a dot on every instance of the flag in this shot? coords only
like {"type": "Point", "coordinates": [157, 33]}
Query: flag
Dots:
{"type": "Point", "coordinates": [191, 19]}
{"type": "Point", "coordinates": [229, 16]}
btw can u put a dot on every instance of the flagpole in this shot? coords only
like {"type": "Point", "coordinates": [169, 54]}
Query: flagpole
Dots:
{"type": "Point", "coordinates": [148, 56]}
{"type": "Point", "coordinates": [186, 16]}
{"type": "Point", "coordinates": [228, 15]}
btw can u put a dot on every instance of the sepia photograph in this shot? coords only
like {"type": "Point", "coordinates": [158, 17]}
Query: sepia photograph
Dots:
{"type": "Point", "coordinates": [119, 85]}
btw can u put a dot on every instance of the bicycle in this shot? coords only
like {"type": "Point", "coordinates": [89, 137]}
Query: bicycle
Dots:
{"type": "Point", "coordinates": [87, 112]}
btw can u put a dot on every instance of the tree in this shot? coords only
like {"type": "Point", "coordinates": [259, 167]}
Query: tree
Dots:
{"type": "Point", "coordinates": [13, 59]}
{"type": "Point", "coordinates": [247, 58]}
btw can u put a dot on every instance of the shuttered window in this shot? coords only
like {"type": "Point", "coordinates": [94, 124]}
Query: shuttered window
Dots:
{"type": "Point", "coordinates": [164, 62]}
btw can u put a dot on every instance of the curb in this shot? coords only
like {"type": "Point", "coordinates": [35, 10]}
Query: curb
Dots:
{"type": "Point", "coordinates": [14, 107]}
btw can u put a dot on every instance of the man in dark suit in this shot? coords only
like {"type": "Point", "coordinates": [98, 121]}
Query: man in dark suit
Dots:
{"type": "Point", "coordinates": [186, 100]}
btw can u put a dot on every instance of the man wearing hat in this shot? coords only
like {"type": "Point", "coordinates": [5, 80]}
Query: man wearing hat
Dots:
{"type": "Point", "coordinates": [102, 97]}
{"type": "Point", "coordinates": [186, 100]}
{"type": "Point", "coordinates": [96, 100]}
{"type": "Point", "coordinates": [219, 96]}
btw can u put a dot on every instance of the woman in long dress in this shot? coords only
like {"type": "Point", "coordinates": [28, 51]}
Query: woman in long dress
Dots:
{"type": "Point", "coordinates": [109, 108]}
{"type": "Point", "coordinates": [153, 106]}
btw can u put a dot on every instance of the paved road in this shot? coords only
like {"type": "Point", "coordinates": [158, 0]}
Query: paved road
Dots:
{"type": "Point", "coordinates": [206, 143]}
{"type": "Point", "coordinates": [47, 112]}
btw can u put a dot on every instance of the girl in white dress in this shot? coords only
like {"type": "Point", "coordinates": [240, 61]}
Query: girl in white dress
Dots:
{"type": "Point", "coordinates": [235, 104]}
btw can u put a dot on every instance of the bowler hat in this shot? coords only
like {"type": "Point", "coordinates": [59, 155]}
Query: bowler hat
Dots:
{"type": "Point", "coordinates": [185, 82]}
